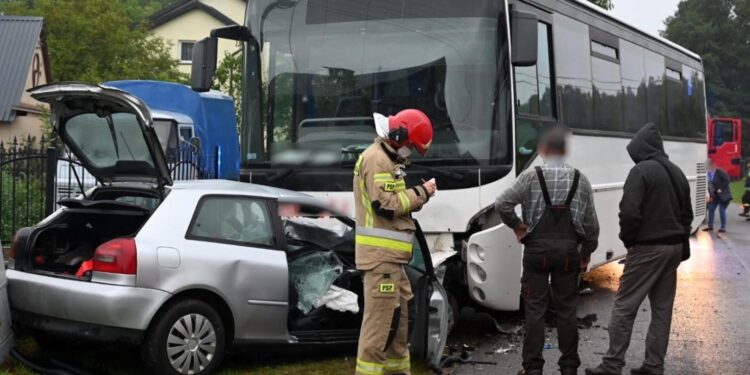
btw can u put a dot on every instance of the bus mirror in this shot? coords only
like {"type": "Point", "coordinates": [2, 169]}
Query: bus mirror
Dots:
{"type": "Point", "coordinates": [234, 32]}
{"type": "Point", "coordinates": [524, 34]}
{"type": "Point", "coordinates": [204, 64]}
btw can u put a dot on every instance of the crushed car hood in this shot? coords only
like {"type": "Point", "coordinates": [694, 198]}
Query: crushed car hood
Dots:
{"type": "Point", "coordinates": [110, 131]}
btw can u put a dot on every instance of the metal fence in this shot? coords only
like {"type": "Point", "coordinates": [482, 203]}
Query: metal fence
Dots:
{"type": "Point", "coordinates": [36, 175]}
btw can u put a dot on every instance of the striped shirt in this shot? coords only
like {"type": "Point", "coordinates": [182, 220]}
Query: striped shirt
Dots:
{"type": "Point", "coordinates": [527, 192]}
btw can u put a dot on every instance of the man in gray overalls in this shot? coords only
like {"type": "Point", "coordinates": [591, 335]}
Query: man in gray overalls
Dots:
{"type": "Point", "coordinates": [560, 230]}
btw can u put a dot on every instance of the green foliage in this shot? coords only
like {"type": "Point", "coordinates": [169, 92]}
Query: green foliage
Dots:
{"type": "Point", "coordinates": [138, 10]}
{"type": "Point", "coordinates": [229, 80]}
{"type": "Point", "coordinates": [717, 30]}
{"type": "Point", "coordinates": [606, 4]}
{"type": "Point", "coordinates": [96, 41]}
{"type": "Point", "coordinates": [22, 190]}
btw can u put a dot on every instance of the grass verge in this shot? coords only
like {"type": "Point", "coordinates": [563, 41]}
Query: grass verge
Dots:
{"type": "Point", "coordinates": [738, 190]}
{"type": "Point", "coordinates": [116, 361]}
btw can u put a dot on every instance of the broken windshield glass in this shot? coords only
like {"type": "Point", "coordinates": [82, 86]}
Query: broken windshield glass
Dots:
{"type": "Point", "coordinates": [312, 276]}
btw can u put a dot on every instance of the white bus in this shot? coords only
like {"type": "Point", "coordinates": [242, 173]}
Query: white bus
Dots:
{"type": "Point", "coordinates": [490, 74]}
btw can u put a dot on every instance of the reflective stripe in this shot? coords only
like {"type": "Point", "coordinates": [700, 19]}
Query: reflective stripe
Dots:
{"type": "Point", "coordinates": [405, 204]}
{"type": "Point", "coordinates": [365, 202]}
{"type": "Point", "coordinates": [384, 243]}
{"type": "Point", "coordinates": [385, 233]}
{"type": "Point", "coordinates": [398, 364]}
{"type": "Point", "coordinates": [369, 368]}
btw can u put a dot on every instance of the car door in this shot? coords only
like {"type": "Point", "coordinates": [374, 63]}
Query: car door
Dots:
{"type": "Point", "coordinates": [234, 246]}
{"type": "Point", "coordinates": [430, 312]}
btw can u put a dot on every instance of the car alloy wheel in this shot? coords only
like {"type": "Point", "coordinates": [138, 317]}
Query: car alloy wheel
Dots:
{"type": "Point", "coordinates": [191, 344]}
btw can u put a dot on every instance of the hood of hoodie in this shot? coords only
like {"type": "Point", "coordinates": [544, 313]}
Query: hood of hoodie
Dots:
{"type": "Point", "coordinates": [646, 144]}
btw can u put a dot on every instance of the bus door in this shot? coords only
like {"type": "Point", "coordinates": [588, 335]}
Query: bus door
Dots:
{"type": "Point", "coordinates": [725, 145]}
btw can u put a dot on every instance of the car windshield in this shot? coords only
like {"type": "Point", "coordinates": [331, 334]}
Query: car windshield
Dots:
{"type": "Point", "coordinates": [327, 65]}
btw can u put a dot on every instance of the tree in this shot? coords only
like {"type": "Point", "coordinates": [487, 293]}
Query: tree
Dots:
{"type": "Point", "coordinates": [96, 41]}
{"type": "Point", "coordinates": [718, 31]}
{"type": "Point", "coordinates": [606, 4]}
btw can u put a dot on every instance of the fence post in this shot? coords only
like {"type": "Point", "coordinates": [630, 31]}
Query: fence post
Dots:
{"type": "Point", "coordinates": [217, 154]}
{"type": "Point", "coordinates": [50, 183]}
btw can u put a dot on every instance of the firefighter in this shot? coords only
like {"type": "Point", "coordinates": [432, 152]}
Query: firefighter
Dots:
{"type": "Point", "coordinates": [384, 238]}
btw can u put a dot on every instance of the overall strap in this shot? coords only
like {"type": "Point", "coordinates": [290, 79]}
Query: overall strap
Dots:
{"type": "Point", "coordinates": [573, 188]}
{"type": "Point", "coordinates": [543, 185]}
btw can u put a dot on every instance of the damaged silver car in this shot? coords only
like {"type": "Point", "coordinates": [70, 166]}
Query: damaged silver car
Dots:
{"type": "Point", "coordinates": [187, 269]}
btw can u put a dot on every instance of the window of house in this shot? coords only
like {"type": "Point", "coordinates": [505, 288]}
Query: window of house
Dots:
{"type": "Point", "coordinates": [236, 220]}
{"type": "Point", "coordinates": [186, 51]}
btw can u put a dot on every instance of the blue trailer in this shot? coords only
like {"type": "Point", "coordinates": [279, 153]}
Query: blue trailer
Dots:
{"type": "Point", "coordinates": [206, 123]}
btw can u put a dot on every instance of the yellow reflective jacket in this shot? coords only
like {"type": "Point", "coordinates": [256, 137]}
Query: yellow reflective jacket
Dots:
{"type": "Point", "coordinates": [383, 206]}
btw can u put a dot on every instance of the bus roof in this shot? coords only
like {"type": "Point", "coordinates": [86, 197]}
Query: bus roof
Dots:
{"type": "Point", "coordinates": [668, 42]}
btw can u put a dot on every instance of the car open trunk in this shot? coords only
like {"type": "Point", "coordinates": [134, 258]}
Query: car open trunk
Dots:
{"type": "Point", "coordinates": [59, 246]}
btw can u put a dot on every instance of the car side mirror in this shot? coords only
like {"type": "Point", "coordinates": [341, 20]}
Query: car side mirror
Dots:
{"type": "Point", "coordinates": [204, 64]}
{"type": "Point", "coordinates": [524, 38]}
{"type": "Point", "coordinates": [196, 142]}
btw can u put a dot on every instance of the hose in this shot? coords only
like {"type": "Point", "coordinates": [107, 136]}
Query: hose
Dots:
{"type": "Point", "coordinates": [35, 367]}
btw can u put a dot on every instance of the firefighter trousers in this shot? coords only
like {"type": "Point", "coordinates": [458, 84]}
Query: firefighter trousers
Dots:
{"type": "Point", "coordinates": [383, 340]}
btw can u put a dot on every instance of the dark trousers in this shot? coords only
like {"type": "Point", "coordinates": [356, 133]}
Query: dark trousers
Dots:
{"type": "Point", "coordinates": [562, 270]}
{"type": "Point", "coordinates": [650, 271]}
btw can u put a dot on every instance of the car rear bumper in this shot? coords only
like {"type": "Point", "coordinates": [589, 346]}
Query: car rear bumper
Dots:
{"type": "Point", "coordinates": [89, 303]}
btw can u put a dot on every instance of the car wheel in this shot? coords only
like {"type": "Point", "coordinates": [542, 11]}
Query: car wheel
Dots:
{"type": "Point", "coordinates": [187, 338]}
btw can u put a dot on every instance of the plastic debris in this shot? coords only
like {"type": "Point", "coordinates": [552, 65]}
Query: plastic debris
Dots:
{"type": "Point", "coordinates": [339, 299]}
{"type": "Point", "coordinates": [509, 349]}
{"type": "Point", "coordinates": [548, 346]}
{"type": "Point", "coordinates": [312, 276]}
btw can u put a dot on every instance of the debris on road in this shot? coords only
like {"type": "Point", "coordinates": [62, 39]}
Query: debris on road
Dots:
{"type": "Point", "coordinates": [505, 350]}
{"type": "Point", "coordinates": [587, 321]}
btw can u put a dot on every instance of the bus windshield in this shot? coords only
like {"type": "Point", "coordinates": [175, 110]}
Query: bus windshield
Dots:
{"type": "Point", "coordinates": [327, 65]}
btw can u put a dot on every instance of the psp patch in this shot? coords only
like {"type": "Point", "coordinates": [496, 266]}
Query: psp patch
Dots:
{"type": "Point", "coordinates": [390, 186]}
{"type": "Point", "coordinates": [387, 288]}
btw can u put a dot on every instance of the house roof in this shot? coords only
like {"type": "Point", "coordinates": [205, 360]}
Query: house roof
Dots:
{"type": "Point", "coordinates": [181, 7]}
{"type": "Point", "coordinates": [18, 40]}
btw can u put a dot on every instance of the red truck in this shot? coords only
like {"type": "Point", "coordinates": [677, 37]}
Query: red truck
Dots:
{"type": "Point", "coordinates": [725, 145]}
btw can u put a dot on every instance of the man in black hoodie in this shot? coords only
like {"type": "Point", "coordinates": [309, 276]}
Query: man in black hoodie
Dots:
{"type": "Point", "coordinates": [655, 217]}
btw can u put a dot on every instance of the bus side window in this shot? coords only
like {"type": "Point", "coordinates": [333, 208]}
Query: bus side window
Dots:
{"type": "Point", "coordinates": [535, 99]}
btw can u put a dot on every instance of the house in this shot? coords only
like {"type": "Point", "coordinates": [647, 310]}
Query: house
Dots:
{"type": "Point", "coordinates": [24, 63]}
{"type": "Point", "coordinates": [185, 22]}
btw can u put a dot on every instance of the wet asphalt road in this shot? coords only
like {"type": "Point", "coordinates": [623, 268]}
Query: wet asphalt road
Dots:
{"type": "Point", "coordinates": [710, 327]}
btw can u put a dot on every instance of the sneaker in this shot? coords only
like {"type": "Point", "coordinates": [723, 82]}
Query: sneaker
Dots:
{"type": "Point", "coordinates": [722, 230]}
{"type": "Point", "coordinates": [708, 229]}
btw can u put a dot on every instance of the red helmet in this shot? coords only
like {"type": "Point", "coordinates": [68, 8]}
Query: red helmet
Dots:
{"type": "Point", "coordinates": [411, 127]}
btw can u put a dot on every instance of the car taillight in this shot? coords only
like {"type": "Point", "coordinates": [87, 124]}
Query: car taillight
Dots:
{"type": "Point", "coordinates": [116, 256]}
